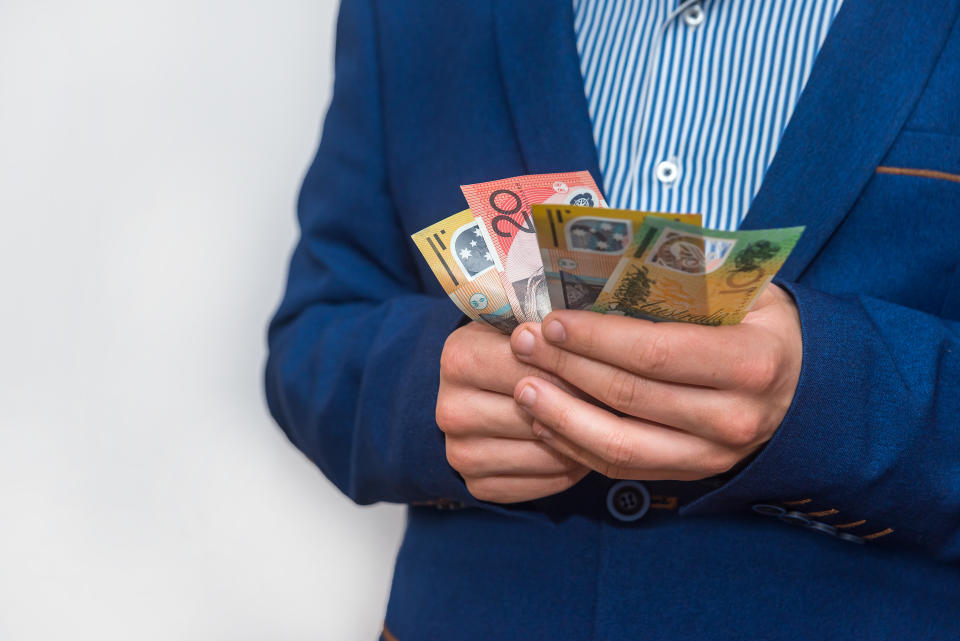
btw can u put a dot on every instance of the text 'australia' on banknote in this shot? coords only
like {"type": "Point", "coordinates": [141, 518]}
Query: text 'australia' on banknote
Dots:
{"type": "Point", "coordinates": [581, 246]}
{"type": "Point", "coordinates": [503, 207]}
{"type": "Point", "coordinates": [459, 256]}
{"type": "Point", "coordinates": [678, 272]}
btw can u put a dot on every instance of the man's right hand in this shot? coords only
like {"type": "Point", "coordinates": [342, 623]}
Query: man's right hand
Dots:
{"type": "Point", "coordinates": [490, 441]}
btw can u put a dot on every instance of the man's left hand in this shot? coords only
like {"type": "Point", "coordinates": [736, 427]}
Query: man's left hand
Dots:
{"type": "Point", "coordinates": [690, 401]}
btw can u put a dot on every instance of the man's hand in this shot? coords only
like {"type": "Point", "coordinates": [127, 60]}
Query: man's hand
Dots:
{"type": "Point", "coordinates": [697, 399]}
{"type": "Point", "coordinates": [489, 439]}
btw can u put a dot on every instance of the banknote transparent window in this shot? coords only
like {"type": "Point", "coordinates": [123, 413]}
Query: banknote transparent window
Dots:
{"type": "Point", "coordinates": [599, 235]}
{"type": "Point", "coordinates": [470, 251]}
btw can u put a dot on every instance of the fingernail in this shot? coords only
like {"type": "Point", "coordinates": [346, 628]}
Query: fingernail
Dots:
{"type": "Point", "coordinates": [523, 344]}
{"type": "Point", "coordinates": [527, 396]}
{"type": "Point", "coordinates": [554, 332]}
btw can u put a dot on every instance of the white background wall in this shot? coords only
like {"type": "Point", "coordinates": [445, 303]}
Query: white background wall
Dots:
{"type": "Point", "coordinates": [150, 154]}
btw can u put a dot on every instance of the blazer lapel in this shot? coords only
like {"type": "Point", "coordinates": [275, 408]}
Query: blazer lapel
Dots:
{"type": "Point", "coordinates": [869, 74]}
{"type": "Point", "coordinates": [541, 73]}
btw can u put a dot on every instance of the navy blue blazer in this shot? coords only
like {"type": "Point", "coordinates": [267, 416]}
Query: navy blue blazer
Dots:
{"type": "Point", "coordinates": [430, 95]}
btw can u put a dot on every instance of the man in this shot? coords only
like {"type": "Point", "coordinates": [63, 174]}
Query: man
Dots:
{"type": "Point", "coordinates": [796, 476]}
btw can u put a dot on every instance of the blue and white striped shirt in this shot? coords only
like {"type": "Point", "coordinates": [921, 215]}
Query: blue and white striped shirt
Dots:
{"type": "Point", "coordinates": [689, 99]}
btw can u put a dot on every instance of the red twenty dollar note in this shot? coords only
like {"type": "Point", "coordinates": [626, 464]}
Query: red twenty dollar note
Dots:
{"type": "Point", "coordinates": [503, 209]}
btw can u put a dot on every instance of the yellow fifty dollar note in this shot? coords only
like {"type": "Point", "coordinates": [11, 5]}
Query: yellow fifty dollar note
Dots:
{"type": "Point", "coordinates": [581, 247]}
{"type": "Point", "coordinates": [457, 253]}
{"type": "Point", "coordinates": [677, 272]}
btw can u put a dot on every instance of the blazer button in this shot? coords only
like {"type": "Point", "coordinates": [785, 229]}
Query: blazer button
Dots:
{"type": "Point", "coordinates": [852, 538]}
{"type": "Point", "coordinates": [796, 518]}
{"type": "Point", "coordinates": [826, 528]}
{"type": "Point", "coordinates": [769, 510]}
{"type": "Point", "coordinates": [628, 501]}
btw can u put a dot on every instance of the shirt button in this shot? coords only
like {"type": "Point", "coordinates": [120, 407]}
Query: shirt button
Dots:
{"type": "Point", "coordinates": [667, 172]}
{"type": "Point", "coordinates": [628, 501]}
{"type": "Point", "coordinates": [694, 16]}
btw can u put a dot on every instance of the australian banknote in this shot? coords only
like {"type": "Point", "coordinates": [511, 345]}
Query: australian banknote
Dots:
{"type": "Point", "coordinates": [678, 272]}
{"type": "Point", "coordinates": [581, 246]}
{"type": "Point", "coordinates": [461, 260]}
{"type": "Point", "coordinates": [503, 208]}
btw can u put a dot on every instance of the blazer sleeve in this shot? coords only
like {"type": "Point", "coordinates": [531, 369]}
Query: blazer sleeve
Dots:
{"type": "Point", "coordinates": [354, 347]}
{"type": "Point", "coordinates": [871, 442]}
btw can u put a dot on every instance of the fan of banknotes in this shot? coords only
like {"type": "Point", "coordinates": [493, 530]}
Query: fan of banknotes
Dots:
{"type": "Point", "coordinates": [531, 244]}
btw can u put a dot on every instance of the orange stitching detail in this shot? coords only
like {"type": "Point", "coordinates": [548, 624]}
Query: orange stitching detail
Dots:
{"type": "Point", "coordinates": [919, 173]}
{"type": "Point", "coordinates": [800, 502]}
{"type": "Point", "coordinates": [663, 502]}
{"type": "Point", "coordinates": [877, 535]}
{"type": "Point", "coordinates": [823, 513]}
{"type": "Point", "coordinates": [844, 526]}
{"type": "Point", "coordinates": [387, 634]}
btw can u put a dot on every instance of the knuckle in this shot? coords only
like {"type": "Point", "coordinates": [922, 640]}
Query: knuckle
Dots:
{"type": "Point", "coordinates": [486, 490]}
{"type": "Point", "coordinates": [743, 436]}
{"type": "Point", "coordinates": [651, 354]}
{"type": "Point", "coordinates": [562, 420]}
{"type": "Point", "coordinates": [589, 336]}
{"type": "Point", "coordinates": [459, 457]}
{"type": "Point", "coordinates": [477, 488]}
{"type": "Point", "coordinates": [612, 471]}
{"type": "Point", "coordinates": [559, 361]}
{"type": "Point", "coordinates": [616, 450]}
{"type": "Point", "coordinates": [449, 418]}
{"type": "Point", "coordinates": [463, 352]}
{"type": "Point", "coordinates": [759, 372]}
{"type": "Point", "coordinates": [725, 462]}
{"type": "Point", "coordinates": [557, 485]}
{"type": "Point", "coordinates": [452, 358]}
{"type": "Point", "coordinates": [717, 463]}
{"type": "Point", "coordinates": [768, 370]}
{"type": "Point", "coordinates": [739, 430]}
{"type": "Point", "coordinates": [624, 391]}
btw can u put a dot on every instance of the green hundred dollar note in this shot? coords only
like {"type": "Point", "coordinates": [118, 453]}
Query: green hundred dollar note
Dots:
{"type": "Point", "coordinates": [678, 272]}
{"type": "Point", "coordinates": [581, 247]}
